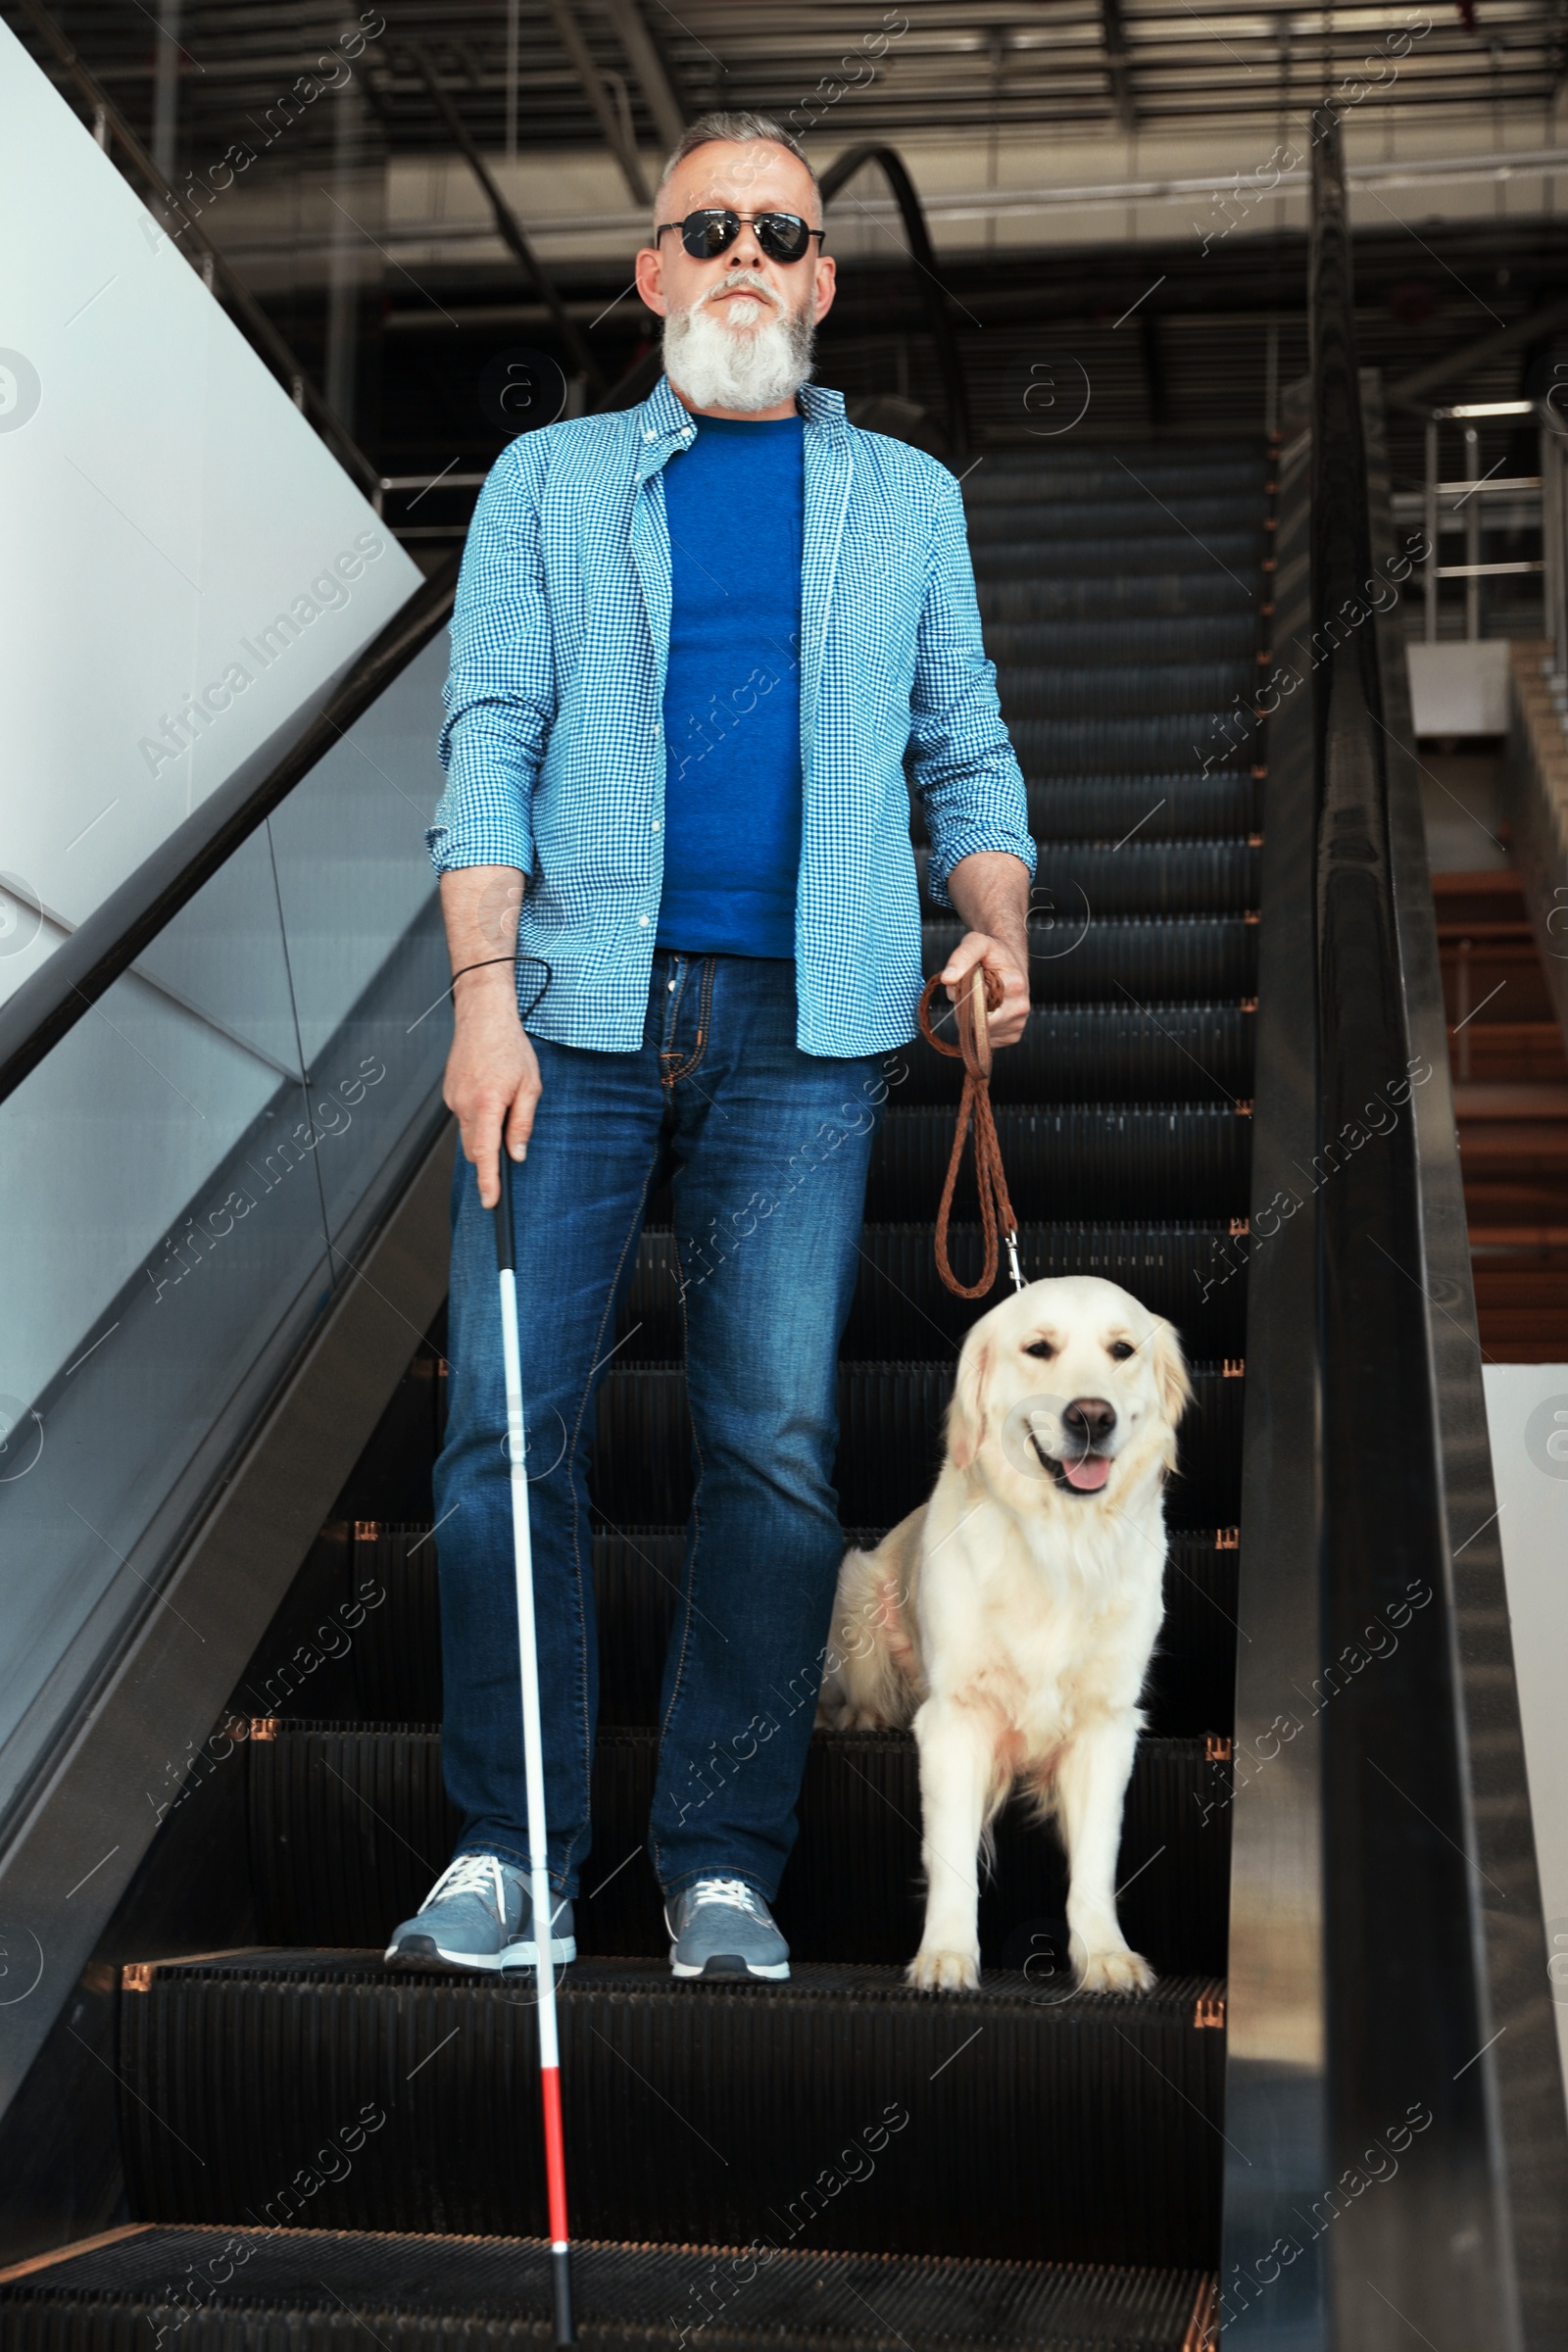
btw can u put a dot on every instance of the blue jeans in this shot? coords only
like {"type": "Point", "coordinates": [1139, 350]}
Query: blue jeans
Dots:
{"type": "Point", "coordinates": [767, 1150]}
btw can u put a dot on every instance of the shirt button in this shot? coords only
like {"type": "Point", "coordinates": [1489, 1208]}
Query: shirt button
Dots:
{"type": "Point", "coordinates": [656, 824]}
{"type": "Point", "coordinates": [642, 921]}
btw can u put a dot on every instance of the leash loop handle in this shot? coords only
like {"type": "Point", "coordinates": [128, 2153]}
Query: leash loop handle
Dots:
{"type": "Point", "coordinates": [996, 1218]}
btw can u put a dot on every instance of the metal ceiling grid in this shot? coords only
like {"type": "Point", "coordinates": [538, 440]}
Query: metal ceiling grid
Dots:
{"type": "Point", "coordinates": [924, 69]}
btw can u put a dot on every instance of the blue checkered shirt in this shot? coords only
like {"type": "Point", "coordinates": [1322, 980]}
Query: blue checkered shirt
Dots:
{"type": "Point", "coordinates": [554, 740]}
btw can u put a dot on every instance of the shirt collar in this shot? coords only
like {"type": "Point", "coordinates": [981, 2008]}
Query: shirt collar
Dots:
{"type": "Point", "coordinates": [666, 421]}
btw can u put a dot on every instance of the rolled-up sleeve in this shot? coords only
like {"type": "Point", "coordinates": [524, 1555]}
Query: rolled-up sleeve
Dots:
{"type": "Point", "coordinates": [500, 694]}
{"type": "Point", "coordinates": [961, 760]}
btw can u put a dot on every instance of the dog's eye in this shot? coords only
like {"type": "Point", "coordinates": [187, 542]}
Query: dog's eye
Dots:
{"type": "Point", "coordinates": [1042, 1349]}
{"type": "Point", "coordinates": [1120, 1351]}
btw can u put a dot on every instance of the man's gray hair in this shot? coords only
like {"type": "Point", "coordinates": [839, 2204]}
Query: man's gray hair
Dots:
{"type": "Point", "coordinates": [741, 130]}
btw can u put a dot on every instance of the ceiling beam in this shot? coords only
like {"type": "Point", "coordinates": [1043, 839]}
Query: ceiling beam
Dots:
{"type": "Point", "coordinates": [648, 68]}
{"type": "Point", "coordinates": [615, 131]}
{"type": "Point", "coordinates": [1118, 66]}
{"type": "Point", "coordinates": [1409, 391]}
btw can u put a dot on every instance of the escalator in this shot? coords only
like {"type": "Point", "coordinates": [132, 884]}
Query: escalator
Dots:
{"type": "Point", "coordinates": [243, 2132]}
{"type": "Point", "coordinates": [1026, 2164]}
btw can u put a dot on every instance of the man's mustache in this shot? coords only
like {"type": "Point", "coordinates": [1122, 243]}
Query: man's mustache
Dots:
{"type": "Point", "coordinates": [743, 281]}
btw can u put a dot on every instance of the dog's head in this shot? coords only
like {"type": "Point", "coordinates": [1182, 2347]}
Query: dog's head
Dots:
{"type": "Point", "coordinates": [1071, 1388]}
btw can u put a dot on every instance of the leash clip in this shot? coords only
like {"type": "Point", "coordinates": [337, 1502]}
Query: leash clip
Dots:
{"type": "Point", "coordinates": [1018, 1282]}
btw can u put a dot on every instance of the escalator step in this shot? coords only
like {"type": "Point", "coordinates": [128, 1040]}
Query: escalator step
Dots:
{"type": "Point", "coordinates": [1084, 881]}
{"type": "Point", "coordinates": [636, 1581]}
{"type": "Point", "coordinates": [266, 2291]}
{"type": "Point", "coordinates": [1103, 742]}
{"type": "Point", "coordinates": [1135, 519]}
{"type": "Point", "coordinates": [1176, 808]}
{"type": "Point", "coordinates": [1163, 547]}
{"type": "Point", "coordinates": [1120, 1051]}
{"type": "Point", "coordinates": [1061, 692]}
{"type": "Point", "coordinates": [900, 1297]}
{"type": "Point", "coordinates": [350, 1827]}
{"type": "Point", "coordinates": [1021, 2125]}
{"type": "Point", "coordinates": [890, 1444]}
{"type": "Point", "coordinates": [1186, 959]}
{"type": "Point", "coordinates": [1069, 1160]}
{"type": "Point", "coordinates": [901, 1302]}
{"type": "Point", "coordinates": [1080, 472]}
{"type": "Point", "coordinates": [1217, 637]}
{"type": "Point", "coordinates": [1079, 595]}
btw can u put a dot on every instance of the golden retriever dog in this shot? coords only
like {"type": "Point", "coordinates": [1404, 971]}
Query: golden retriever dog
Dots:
{"type": "Point", "coordinates": [1012, 1617]}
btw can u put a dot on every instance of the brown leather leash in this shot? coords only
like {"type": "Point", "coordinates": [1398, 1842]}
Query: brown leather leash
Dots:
{"type": "Point", "coordinates": [984, 994]}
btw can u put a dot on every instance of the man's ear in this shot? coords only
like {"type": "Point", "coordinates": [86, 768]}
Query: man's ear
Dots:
{"type": "Point", "coordinates": [966, 1414]}
{"type": "Point", "coordinates": [649, 277]}
{"type": "Point", "coordinates": [1170, 1373]}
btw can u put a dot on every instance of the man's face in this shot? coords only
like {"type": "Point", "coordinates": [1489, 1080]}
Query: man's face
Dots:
{"type": "Point", "coordinates": [748, 176]}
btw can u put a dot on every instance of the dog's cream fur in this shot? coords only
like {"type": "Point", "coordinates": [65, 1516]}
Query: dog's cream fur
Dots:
{"type": "Point", "coordinates": [1012, 1618]}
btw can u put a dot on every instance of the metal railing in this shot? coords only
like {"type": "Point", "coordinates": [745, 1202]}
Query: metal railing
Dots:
{"type": "Point", "coordinates": [1463, 505]}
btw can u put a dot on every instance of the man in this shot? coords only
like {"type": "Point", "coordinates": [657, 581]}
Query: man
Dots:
{"type": "Point", "coordinates": [693, 644]}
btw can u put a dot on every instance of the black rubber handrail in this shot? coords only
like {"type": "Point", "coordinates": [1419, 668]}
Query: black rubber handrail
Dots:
{"type": "Point", "coordinates": [837, 176]}
{"type": "Point", "coordinates": [49, 1004]}
{"type": "Point", "coordinates": [1411, 1993]}
{"type": "Point", "coordinates": [643, 373]}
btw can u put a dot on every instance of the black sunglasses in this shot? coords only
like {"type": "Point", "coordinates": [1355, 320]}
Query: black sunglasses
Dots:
{"type": "Point", "coordinates": [783, 236]}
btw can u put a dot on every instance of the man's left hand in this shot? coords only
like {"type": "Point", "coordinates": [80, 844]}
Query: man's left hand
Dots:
{"type": "Point", "coordinates": [1006, 1023]}
{"type": "Point", "coordinates": [990, 891]}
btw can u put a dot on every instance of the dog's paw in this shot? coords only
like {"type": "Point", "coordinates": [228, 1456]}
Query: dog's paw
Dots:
{"type": "Point", "coordinates": [945, 1972]}
{"type": "Point", "coordinates": [1121, 1971]}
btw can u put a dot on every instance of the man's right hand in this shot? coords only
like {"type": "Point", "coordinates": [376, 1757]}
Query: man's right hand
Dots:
{"type": "Point", "coordinates": [492, 1079]}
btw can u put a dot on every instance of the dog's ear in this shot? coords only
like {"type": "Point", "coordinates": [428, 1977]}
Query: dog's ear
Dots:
{"type": "Point", "coordinates": [966, 1414]}
{"type": "Point", "coordinates": [1170, 1373]}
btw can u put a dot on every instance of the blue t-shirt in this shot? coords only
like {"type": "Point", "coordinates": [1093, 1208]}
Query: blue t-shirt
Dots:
{"type": "Point", "coordinates": [734, 502]}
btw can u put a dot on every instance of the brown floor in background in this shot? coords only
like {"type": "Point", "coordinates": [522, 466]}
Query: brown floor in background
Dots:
{"type": "Point", "coordinates": [1510, 1088]}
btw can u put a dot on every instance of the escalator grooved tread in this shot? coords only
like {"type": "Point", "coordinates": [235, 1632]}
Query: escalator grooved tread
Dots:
{"type": "Point", "coordinates": [419, 2293]}
{"type": "Point", "coordinates": [690, 2109]}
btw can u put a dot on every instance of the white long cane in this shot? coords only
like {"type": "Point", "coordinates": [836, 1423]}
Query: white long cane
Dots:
{"type": "Point", "coordinates": [533, 1757]}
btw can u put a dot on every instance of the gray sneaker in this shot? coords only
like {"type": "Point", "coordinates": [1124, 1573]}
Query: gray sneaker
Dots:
{"type": "Point", "coordinates": [722, 1928]}
{"type": "Point", "coordinates": [478, 1914]}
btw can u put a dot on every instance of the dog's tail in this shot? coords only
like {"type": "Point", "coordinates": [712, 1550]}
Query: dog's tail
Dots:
{"type": "Point", "coordinates": [873, 1677]}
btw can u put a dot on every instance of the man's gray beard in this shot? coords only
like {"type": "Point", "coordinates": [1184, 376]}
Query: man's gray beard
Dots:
{"type": "Point", "coordinates": [719, 366]}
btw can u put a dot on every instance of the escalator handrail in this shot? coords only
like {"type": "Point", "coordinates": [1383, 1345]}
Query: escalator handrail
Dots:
{"type": "Point", "coordinates": [641, 376]}
{"type": "Point", "coordinates": [1417, 1994]}
{"type": "Point", "coordinates": [923, 255]}
{"type": "Point", "coordinates": [49, 1004]}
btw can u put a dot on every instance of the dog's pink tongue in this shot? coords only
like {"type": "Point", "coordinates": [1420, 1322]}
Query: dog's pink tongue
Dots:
{"type": "Point", "coordinates": [1088, 1473]}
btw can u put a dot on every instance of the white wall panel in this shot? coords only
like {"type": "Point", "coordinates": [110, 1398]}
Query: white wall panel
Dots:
{"type": "Point", "coordinates": [172, 527]}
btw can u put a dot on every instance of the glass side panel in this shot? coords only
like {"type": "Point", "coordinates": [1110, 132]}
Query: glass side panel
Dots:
{"type": "Point", "coordinates": [173, 1179]}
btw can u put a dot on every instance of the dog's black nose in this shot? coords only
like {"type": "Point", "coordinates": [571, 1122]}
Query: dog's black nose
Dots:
{"type": "Point", "coordinates": [1089, 1419]}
